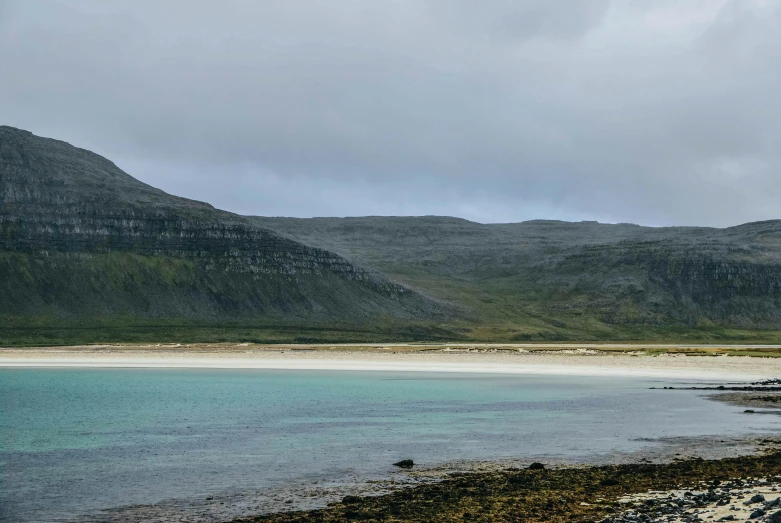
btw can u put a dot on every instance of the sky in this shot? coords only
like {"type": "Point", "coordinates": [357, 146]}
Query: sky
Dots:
{"type": "Point", "coordinates": [658, 112]}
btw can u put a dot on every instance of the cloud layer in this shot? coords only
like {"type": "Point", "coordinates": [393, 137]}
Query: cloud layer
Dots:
{"type": "Point", "coordinates": [663, 112]}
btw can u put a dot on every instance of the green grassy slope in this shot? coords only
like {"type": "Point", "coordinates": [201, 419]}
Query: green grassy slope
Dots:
{"type": "Point", "coordinates": [547, 280]}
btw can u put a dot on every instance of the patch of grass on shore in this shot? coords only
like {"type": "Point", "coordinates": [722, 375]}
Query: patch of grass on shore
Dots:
{"type": "Point", "coordinates": [42, 333]}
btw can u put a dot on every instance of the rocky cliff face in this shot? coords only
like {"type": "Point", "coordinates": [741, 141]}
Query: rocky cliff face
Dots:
{"type": "Point", "coordinates": [66, 210]}
{"type": "Point", "coordinates": [57, 198]}
{"type": "Point", "coordinates": [562, 272]}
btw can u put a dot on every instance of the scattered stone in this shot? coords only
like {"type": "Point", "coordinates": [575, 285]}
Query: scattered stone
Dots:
{"type": "Point", "coordinates": [404, 464]}
{"type": "Point", "coordinates": [693, 492]}
{"type": "Point", "coordinates": [536, 466]}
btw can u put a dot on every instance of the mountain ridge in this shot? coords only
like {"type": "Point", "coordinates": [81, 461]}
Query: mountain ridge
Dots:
{"type": "Point", "coordinates": [79, 237]}
{"type": "Point", "coordinates": [84, 243]}
{"type": "Point", "coordinates": [619, 275]}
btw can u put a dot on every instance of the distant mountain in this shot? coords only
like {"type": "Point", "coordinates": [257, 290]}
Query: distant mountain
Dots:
{"type": "Point", "coordinates": [88, 253]}
{"type": "Point", "coordinates": [81, 239]}
{"type": "Point", "coordinates": [542, 280]}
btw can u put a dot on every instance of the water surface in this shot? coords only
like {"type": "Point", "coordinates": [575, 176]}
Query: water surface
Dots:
{"type": "Point", "coordinates": [74, 442]}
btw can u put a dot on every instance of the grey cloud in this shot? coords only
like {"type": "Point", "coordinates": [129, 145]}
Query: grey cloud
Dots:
{"type": "Point", "coordinates": [519, 20]}
{"type": "Point", "coordinates": [653, 112]}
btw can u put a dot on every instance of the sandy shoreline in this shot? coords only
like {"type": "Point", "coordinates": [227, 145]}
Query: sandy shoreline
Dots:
{"type": "Point", "coordinates": [576, 362]}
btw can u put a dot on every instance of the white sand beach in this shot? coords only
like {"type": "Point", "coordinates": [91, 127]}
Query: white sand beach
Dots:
{"type": "Point", "coordinates": [576, 361]}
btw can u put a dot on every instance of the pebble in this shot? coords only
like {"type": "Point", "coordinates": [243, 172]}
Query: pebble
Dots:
{"type": "Point", "coordinates": [716, 502]}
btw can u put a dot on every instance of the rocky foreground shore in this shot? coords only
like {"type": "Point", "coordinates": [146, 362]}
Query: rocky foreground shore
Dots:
{"type": "Point", "coordinates": [733, 489]}
{"type": "Point", "coordinates": [749, 499]}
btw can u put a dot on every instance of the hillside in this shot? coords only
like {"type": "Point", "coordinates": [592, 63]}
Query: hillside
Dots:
{"type": "Point", "coordinates": [541, 280]}
{"type": "Point", "coordinates": [82, 242]}
{"type": "Point", "coordinates": [88, 253]}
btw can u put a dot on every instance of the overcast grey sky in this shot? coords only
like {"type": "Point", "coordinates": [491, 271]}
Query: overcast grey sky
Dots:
{"type": "Point", "coordinates": [649, 111]}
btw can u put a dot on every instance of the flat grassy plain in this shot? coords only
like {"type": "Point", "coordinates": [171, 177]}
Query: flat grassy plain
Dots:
{"type": "Point", "coordinates": [16, 332]}
{"type": "Point", "coordinates": [21, 332]}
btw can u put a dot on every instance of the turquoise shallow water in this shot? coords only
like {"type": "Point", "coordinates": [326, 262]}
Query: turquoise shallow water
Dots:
{"type": "Point", "coordinates": [74, 442]}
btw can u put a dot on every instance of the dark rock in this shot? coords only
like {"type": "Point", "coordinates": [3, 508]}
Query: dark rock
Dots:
{"type": "Point", "coordinates": [405, 464]}
{"type": "Point", "coordinates": [775, 517]}
{"type": "Point", "coordinates": [536, 466]}
{"type": "Point", "coordinates": [608, 482]}
{"type": "Point", "coordinates": [757, 513]}
{"type": "Point", "coordinates": [749, 411]}
{"type": "Point", "coordinates": [348, 500]}
{"type": "Point", "coordinates": [774, 503]}
{"type": "Point", "coordinates": [81, 237]}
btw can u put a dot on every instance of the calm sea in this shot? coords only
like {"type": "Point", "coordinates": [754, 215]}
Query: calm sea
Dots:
{"type": "Point", "coordinates": [76, 443]}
